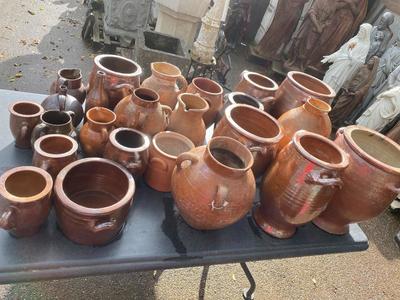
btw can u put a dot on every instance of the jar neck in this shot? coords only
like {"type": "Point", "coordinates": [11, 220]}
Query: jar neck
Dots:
{"type": "Point", "coordinates": [220, 168]}
{"type": "Point", "coordinates": [309, 107]}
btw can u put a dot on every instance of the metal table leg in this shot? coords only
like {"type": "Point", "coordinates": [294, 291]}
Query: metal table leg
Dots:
{"type": "Point", "coordinates": [248, 294]}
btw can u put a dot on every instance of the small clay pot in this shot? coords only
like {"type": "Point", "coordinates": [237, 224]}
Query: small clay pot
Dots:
{"type": "Point", "coordinates": [130, 148]}
{"type": "Point", "coordinates": [24, 200]}
{"type": "Point", "coordinates": [53, 152]}
{"type": "Point", "coordinates": [94, 133]}
{"type": "Point", "coordinates": [93, 198]}
{"type": "Point", "coordinates": [254, 128]}
{"type": "Point", "coordinates": [210, 91]}
{"type": "Point", "coordinates": [164, 149]}
{"type": "Point", "coordinates": [213, 186]}
{"type": "Point", "coordinates": [187, 118]}
{"type": "Point", "coordinates": [72, 79]}
{"type": "Point", "coordinates": [300, 183]}
{"type": "Point", "coordinates": [24, 116]}
{"type": "Point", "coordinates": [259, 86]}
{"type": "Point", "coordinates": [98, 95]}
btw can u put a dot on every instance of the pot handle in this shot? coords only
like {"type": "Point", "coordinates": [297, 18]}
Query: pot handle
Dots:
{"type": "Point", "coordinates": [6, 217]}
{"type": "Point", "coordinates": [167, 111]}
{"type": "Point", "coordinates": [340, 131]}
{"type": "Point", "coordinates": [220, 201]}
{"type": "Point", "coordinates": [131, 166]}
{"type": "Point", "coordinates": [392, 187]}
{"type": "Point", "coordinates": [71, 114]}
{"type": "Point", "coordinates": [323, 178]}
{"type": "Point", "coordinates": [268, 102]}
{"type": "Point", "coordinates": [126, 86]}
{"type": "Point", "coordinates": [184, 157]}
{"type": "Point", "coordinates": [258, 149]}
{"type": "Point", "coordinates": [102, 226]}
{"type": "Point", "coordinates": [38, 131]}
{"type": "Point", "coordinates": [140, 119]}
{"type": "Point", "coordinates": [159, 161]}
{"type": "Point", "coordinates": [183, 83]}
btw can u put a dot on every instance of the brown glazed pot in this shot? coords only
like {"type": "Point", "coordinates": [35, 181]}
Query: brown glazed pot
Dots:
{"type": "Point", "coordinates": [254, 128]}
{"type": "Point", "coordinates": [98, 95]}
{"type": "Point", "coordinates": [210, 91]}
{"type": "Point", "coordinates": [122, 74]}
{"type": "Point", "coordinates": [142, 111]}
{"type": "Point", "coordinates": [53, 152]}
{"type": "Point", "coordinates": [24, 200]}
{"type": "Point", "coordinates": [187, 118]}
{"type": "Point", "coordinates": [94, 133]}
{"type": "Point", "coordinates": [213, 186]}
{"type": "Point", "coordinates": [370, 183]}
{"type": "Point", "coordinates": [93, 197]}
{"type": "Point", "coordinates": [300, 183]}
{"type": "Point", "coordinates": [24, 116]}
{"type": "Point", "coordinates": [165, 147]}
{"type": "Point", "coordinates": [296, 89]}
{"type": "Point", "coordinates": [311, 116]}
{"type": "Point", "coordinates": [72, 79]}
{"type": "Point", "coordinates": [259, 86]}
{"type": "Point", "coordinates": [129, 148]}
{"type": "Point", "coordinates": [164, 78]}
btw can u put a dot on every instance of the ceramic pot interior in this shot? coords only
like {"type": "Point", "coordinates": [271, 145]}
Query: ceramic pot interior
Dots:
{"type": "Point", "coordinates": [243, 99]}
{"type": "Point", "coordinates": [207, 85]}
{"type": "Point", "coordinates": [118, 65]}
{"type": "Point", "coordinates": [318, 105]}
{"type": "Point", "coordinates": [56, 117]}
{"type": "Point", "coordinates": [25, 183]}
{"type": "Point", "coordinates": [95, 184]}
{"type": "Point", "coordinates": [129, 139]}
{"type": "Point", "coordinates": [101, 115]}
{"type": "Point", "coordinates": [172, 145]}
{"type": "Point", "coordinates": [193, 102]}
{"type": "Point", "coordinates": [321, 150]}
{"type": "Point", "coordinates": [146, 94]}
{"type": "Point", "coordinates": [261, 80]}
{"type": "Point", "coordinates": [312, 84]}
{"type": "Point", "coordinates": [70, 74]}
{"type": "Point", "coordinates": [230, 153]}
{"type": "Point", "coordinates": [166, 68]}
{"type": "Point", "coordinates": [377, 147]}
{"type": "Point", "coordinates": [26, 108]}
{"type": "Point", "coordinates": [56, 145]}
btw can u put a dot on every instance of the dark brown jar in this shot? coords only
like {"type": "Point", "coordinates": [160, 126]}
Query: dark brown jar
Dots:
{"type": "Point", "coordinates": [97, 97]}
{"type": "Point", "coordinates": [72, 79]}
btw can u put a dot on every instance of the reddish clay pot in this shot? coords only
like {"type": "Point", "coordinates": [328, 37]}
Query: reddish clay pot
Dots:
{"type": "Point", "coordinates": [370, 183]}
{"type": "Point", "coordinates": [129, 148]}
{"type": "Point", "coordinates": [98, 95]}
{"type": "Point", "coordinates": [300, 183]}
{"type": "Point", "coordinates": [24, 200]}
{"type": "Point", "coordinates": [311, 116]}
{"type": "Point", "coordinates": [94, 134]}
{"type": "Point", "coordinates": [217, 187]}
{"type": "Point", "coordinates": [24, 116]}
{"type": "Point", "coordinates": [254, 128]}
{"type": "Point", "coordinates": [164, 149]}
{"type": "Point", "coordinates": [259, 86]}
{"type": "Point", "coordinates": [143, 111]}
{"type": "Point", "coordinates": [53, 152]}
{"type": "Point", "coordinates": [72, 79]}
{"type": "Point", "coordinates": [164, 78]}
{"type": "Point", "coordinates": [187, 118]}
{"type": "Point", "coordinates": [296, 89]}
{"type": "Point", "coordinates": [93, 198]}
{"type": "Point", "coordinates": [210, 91]}
{"type": "Point", "coordinates": [122, 74]}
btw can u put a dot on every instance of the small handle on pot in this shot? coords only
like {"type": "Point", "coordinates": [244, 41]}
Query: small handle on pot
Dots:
{"type": "Point", "coordinates": [258, 149]}
{"type": "Point", "coordinates": [392, 187]}
{"type": "Point", "coordinates": [132, 166]}
{"type": "Point", "coordinates": [38, 131]}
{"type": "Point", "coordinates": [159, 161]}
{"type": "Point", "coordinates": [23, 131]}
{"type": "Point", "coordinates": [126, 86]}
{"type": "Point", "coordinates": [103, 226]}
{"type": "Point", "coordinates": [71, 114]}
{"type": "Point", "coordinates": [182, 82]}
{"type": "Point", "coordinates": [6, 217]}
{"type": "Point", "coordinates": [340, 131]}
{"type": "Point", "coordinates": [220, 201]}
{"type": "Point", "coordinates": [268, 102]}
{"type": "Point", "coordinates": [104, 134]}
{"type": "Point", "coordinates": [323, 178]}
{"type": "Point", "coordinates": [140, 119]}
{"type": "Point", "coordinates": [184, 157]}
{"type": "Point", "coordinates": [167, 111]}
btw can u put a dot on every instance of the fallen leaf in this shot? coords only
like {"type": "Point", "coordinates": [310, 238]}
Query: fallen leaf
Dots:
{"type": "Point", "coordinates": [8, 27]}
{"type": "Point", "coordinates": [23, 42]}
{"type": "Point", "coordinates": [31, 12]}
{"type": "Point", "coordinates": [314, 281]}
{"type": "Point", "coordinates": [41, 8]}
{"type": "Point", "coordinates": [17, 65]}
{"type": "Point", "coordinates": [18, 75]}
{"type": "Point", "coordinates": [44, 57]}
{"type": "Point", "coordinates": [234, 277]}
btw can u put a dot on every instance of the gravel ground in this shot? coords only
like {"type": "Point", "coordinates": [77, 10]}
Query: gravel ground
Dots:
{"type": "Point", "coordinates": [39, 37]}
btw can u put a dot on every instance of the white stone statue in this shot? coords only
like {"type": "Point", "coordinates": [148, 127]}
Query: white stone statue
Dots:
{"type": "Point", "coordinates": [348, 59]}
{"type": "Point", "coordinates": [382, 111]}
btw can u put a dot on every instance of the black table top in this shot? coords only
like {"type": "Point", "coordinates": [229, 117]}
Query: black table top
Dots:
{"type": "Point", "coordinates": [155, 236]}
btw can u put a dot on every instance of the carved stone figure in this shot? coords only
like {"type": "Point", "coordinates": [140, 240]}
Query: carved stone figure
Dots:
{"type": "Point", "coordinates": [382, 111]}
{"type": "Point", "coordinates": [348, 59]}
{"type": "Point", "coordinates": [376, 42]}
{"type": "Point", "coordinates": [353, 92]}
{"type": "Point", "coordinates": [383, 28]}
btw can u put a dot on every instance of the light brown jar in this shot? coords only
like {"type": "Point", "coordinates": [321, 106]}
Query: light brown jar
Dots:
{"type": "Point", "coordinates": [97, 97]}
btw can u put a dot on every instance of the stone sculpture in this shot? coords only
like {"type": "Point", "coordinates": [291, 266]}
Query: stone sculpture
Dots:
{"type": "Point", "coordinates": [376, 42]}
{"type": "Point", "coordinates": [383, 31]}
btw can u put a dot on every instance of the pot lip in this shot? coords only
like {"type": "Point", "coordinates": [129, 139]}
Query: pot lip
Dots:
{"type": "Point", "coordinates": [115, 143]}
{"type": "Point", "coordinates": [10, 197]}
{"type": "Point", "coordinates": [41, 152]}
{"type": "Point", "coordinates": [347, 131]}
{"type": "Point", "coordinates": [104, 109]}
{"type": "Point", "coordinates": [153, 69]}
{"type": "Point", "coordinates": [147, 90]}
{"type": "Point", "coordinates": [56, 125]}
{"type": "Point", "coordinates": [69, 79]}
{"type": "Point", "coordinates": [69, 204]}
{"type": "Point", "coordinates": [310, 103]}
{"type": "Point", "coordinates": [206, 105]}
{"type": "Point", "coordinates": [38, 114]}
{"type": "Point", "coordinates": [261, 87]}
{"type": "Point", "coordinates": [101, 67]}
{"type": "Point", "coordinates": [233, 94]}
{"type": "Point", "coordinates": [331, 166]}
{"type": "Point", "coordinates": [332, 93]}
{"type": "Point", "coordinates": [174, 134]}
{"type": "Point", "coordinates": [259, 139]}
{"type": "Point", "coordinates": [221, 90]}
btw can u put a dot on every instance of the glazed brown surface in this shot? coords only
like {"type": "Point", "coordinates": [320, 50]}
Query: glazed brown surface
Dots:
{"type": "Point", "coordinates": [98, 95]}
{"type": "Point", "coordinates": [72, 79]}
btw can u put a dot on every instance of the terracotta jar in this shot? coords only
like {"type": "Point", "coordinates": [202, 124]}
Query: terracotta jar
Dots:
{"type": "Point", "coordinates": [164, 79]}
{"type": "Point", "coordinates": [259, 86]}
{"type": "Point", "coordinates": [93, 198]}
{"type": "Point", "coordinates": [122, 75]}
{"type": "Point", "coordinates": [72, 79]}
{"type": "Point", "coordinates": [254, 128]}
{"type": "Point", "coordinates": [213, 186]}
{"type": "Point", "coordinates": [98, 95]}
{"type": "Point", "coordinates": [296, 89]}
{"type": "Point", "coordinates": [24, 116]}
{"type": "Point", "coordinates": [24, 200]}
{"type": "Point", "coordinates": [143, 111]}
{"type": "Point", "coordinates": [210, 91]}
{"type": "Point", "coordinates": [370, 183]}
{"type": "Point", "coordinates": [164, 149]}
{"type": "Point", "coordinates": [64, 102]}
{"type": "Point", "coordinates": [53, 152]}
{"type": "Point", "coordinates": [311, 116]}
{"type": "Point", "coordinates": [94, 133]}
{"type": "Point", "coordinates": [300, 183]}
{"type": "Point", "coordinates": [237, 98]}
{"type": "Point", "coordinates": [187, 118]}
{"type": "Point", "coordinates": [129, 148]}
